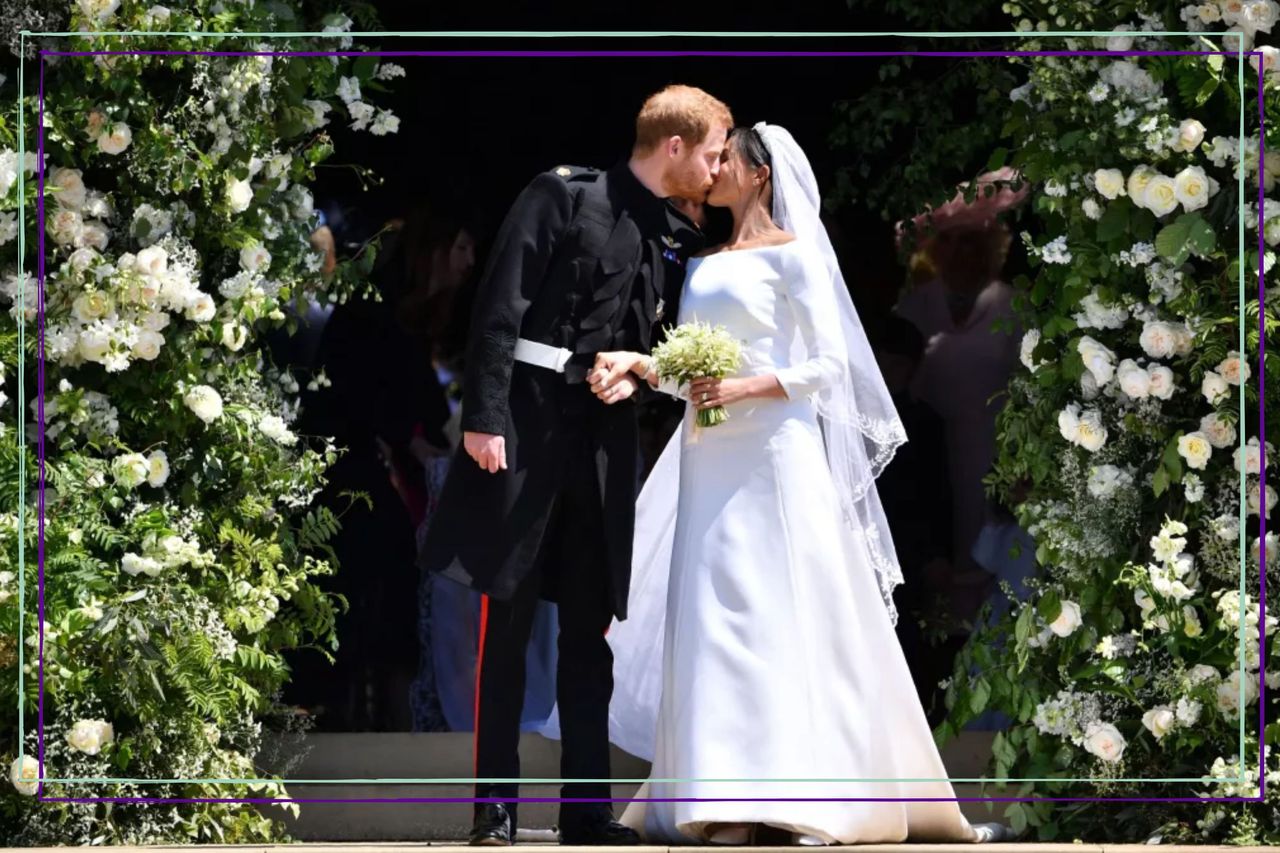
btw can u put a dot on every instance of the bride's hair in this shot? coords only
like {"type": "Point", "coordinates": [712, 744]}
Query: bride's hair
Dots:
{"type": "Point", "coordinates": [748, 142]}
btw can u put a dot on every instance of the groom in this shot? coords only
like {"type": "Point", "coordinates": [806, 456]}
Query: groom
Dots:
{"type": "Point", "coordinates": [586, 261]}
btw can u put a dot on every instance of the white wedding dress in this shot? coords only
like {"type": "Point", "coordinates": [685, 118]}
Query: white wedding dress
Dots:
{"type": "Point", "coordinates": [779, 660]}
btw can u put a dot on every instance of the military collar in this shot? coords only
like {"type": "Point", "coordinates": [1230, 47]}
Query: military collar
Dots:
{"type": "Point", "coordinates": [633, 195]}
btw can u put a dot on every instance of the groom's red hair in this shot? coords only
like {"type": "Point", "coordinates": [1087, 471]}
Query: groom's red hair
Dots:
{"type": "Point", "coordinates": [684, 111]}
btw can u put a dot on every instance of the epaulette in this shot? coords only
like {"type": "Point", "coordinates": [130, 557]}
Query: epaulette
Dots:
{"type": "Point", "coordinates": [577, 173]}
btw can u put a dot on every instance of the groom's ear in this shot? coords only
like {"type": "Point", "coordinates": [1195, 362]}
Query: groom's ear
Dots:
{"type": "Point", "coordinates": [674, 146]}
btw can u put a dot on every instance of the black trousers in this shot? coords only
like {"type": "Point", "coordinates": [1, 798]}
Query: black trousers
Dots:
{"type": "Point", "coordinates": [572, 561]}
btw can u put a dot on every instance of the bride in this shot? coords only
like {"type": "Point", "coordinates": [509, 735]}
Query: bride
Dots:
{"type": "Point", "coordinates": [758, 669]}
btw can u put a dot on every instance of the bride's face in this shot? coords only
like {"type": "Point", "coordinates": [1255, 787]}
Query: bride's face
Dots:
{"type": "Point", "coordinates": [738, 181]}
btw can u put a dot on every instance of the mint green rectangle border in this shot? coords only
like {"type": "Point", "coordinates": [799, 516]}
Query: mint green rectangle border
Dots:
{"type": "Point", "coordinates": [606, 34]}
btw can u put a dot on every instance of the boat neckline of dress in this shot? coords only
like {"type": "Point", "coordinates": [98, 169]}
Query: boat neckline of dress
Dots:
{"type": "Point", "coordinates": [745, 249]}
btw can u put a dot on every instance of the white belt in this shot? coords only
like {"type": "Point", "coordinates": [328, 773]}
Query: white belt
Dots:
{"type": "Point", "coordinates": [541, 355]}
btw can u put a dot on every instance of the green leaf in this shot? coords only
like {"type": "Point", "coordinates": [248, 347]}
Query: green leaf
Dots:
{"type": "Point", "coordinates": [1017, 815]}
{"type": "Point", "coordinates": [997, 159]}
{"type": "Point", "coordinates": [1160, 481]}
{"type": "Point", "coordinates": [364, 66]}
{"type": "Point", "coordinates": [1114, 221]}
{"type": "Point", "coordinates": [1050, 606]}
{"type": "Point", "coordinates": [979, 697]}
{"type": "Point", "coordinates": [1187, 234]}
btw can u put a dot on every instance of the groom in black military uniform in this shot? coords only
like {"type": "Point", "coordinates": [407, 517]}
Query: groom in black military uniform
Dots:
{"type": "Point", "coordinates": [540, 501]}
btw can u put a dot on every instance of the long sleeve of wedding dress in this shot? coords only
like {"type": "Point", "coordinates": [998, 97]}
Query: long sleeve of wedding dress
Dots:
{"type": "Point", "coordinates": [807, 290]}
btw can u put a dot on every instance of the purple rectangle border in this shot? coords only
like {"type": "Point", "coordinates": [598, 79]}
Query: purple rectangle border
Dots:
{"type": "Point", "coordinates": [652, 54]}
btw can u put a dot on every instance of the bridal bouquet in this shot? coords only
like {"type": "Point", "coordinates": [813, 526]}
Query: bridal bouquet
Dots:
{"type": "Point", "coordinates": [698, 350]}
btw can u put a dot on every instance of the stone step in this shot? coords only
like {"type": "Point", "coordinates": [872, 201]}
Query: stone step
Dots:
{"type": "Point", "coordinates": [386, 763]}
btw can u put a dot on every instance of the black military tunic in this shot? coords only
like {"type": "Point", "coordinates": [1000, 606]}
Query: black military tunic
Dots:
{"type": "Point", "coordinates": [586, 260]}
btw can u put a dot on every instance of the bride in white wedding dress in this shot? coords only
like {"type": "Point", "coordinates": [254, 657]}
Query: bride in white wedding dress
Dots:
{"type": "Point", "coordinates": [759, 661]}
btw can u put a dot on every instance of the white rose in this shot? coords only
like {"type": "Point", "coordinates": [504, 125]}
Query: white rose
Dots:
{"type": "Point", "coordinates": [234, 336]}
{"type": "Point", "coordinates": [152, 260]}
{"type": "Point", "coordinates": [148, 345]}
{"type": "Point", "coordinates": [1160, 381]}
{"type": "Point", "coordinates": [70, 186]}
{"type": "Point", "coordinates": [115, 140]}
{"type": "Point", "coordinates": [1220, 431]}
{"type": "Point", "coordinates": [205, 402]}
{"type": "Point", "coordinates": [1195, 448]}
{"type": "Point", "coordinates": [239, 195]}
{"type": "Point", "coordinates": [90, 736]}
{"type": "Point", "coordinates": [1234, 369]}
{"type": "Point", "coordinates": [1134, 380]}
{"type": "Point", "coordinates": [254, 258]}
{"type": "Point", "coordinates": [1137, 184]}
{"type": "Point", "coordinates": [157, 468]}
{"type": "Point", "coordinates": [1190, 135]}
{"type": "Point", "coordinates": [201, 309]}
{"type": "Point", "coordinates": [1214, 388]}
{"type": "Point", "coordinates": [91, 306]}
{"type": "Point", "coordinates": [1160, 720]}
{"type": "Point", "coordinates": [1160, 196]}
{"type": "Point", "coordinates": [24, 773]}
{"type": "Point", "coordinates": [1270, 56]}
{"type": "Point", "coordinates": [1091, 435]}
{"type": "Point", "coordinates": [1158, 339]}
{"type": "Point", "coordinates": [1105, 741]}
{"type": "Point", "coordinates": [1109, 183]}
{"type": "Point", "coordinates": [92, 234]}
{"type": "Point", "coordinates": [1191, 188]}
{"type": "Point", "coordinates": [129, 469]}
{"type": "Point", "coordinates": [1068, 620]}
{"type": "Point", "coordinates": [1259, 15]}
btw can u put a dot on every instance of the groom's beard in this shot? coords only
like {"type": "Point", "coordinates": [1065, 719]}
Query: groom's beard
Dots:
{"type": "Point", "coordinates": [688, 183]}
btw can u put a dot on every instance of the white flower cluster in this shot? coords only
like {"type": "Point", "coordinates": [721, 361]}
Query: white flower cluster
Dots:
{"type": "Point", "coordinates": [1077, 718]}
{"type": "Point", "coordinates": [1247, 17]}
{"type": "Point", "coordinates": [1231, 612]}
{"type": "Point", "coordinates": [1115, 646]}
{"type": "Point", "coordinates": [160, 552]}
{"type": "Point", "coordinates": [1156, 192]}
{"type": "Point", "coordinates": [364, 115]}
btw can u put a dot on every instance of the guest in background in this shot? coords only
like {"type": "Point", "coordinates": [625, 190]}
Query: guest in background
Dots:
{"type": "Point", "coordinates": [967, 361]}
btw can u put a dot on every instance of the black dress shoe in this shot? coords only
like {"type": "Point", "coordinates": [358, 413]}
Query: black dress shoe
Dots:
{"type": "Point", "coordinates": [493, 827]}
{"type": "Point", "coordinates": [602, 831]}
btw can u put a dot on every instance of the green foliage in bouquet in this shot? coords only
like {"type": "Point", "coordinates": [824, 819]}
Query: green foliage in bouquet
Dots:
{"type": "Point", "coordinates": [697, 350]}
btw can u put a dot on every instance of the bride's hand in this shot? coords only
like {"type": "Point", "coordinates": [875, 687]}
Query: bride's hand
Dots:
{"type": "Point", "coordinates": [708, 393]}
{"type": "Point", "coordinates": [612, 366]}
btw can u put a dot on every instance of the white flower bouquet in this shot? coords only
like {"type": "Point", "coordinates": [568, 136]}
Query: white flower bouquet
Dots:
{"type": "Point", "coordinates": [697, 350]}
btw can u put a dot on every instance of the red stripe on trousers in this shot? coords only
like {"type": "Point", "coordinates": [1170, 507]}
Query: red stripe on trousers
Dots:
{"type": "Point", "coordinates": [484, 625]}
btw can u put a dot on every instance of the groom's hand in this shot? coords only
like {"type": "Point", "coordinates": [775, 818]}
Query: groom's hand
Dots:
{"type": "Point", "coordinates": [610, 367]}
{"type": "Point", "coordinates": [489, 451]}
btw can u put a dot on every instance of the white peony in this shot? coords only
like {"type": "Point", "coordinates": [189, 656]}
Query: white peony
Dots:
{"type": "Point", "coordinates": [1134, 380]}
{"type": "Point", "coordinates": [1098, 360]}
{"type": "Point", "coordinates": [1219, 430]}
{"type": "Point", "coordinates": [1068, 620]}
{"type": "Point", "coordinates": [1196, 449]}
{"type": "Point", "coordinates": [1091, 434]}
{"type": "Point", "coordinates": [1030, 341]}
{"type": "Point", "coordinates": [234, 336]}
{"type": "Point", "coordinates": [1109, 183]}
{"type": "Point", "coordinates": [1190, 135]}
{"type": "Point", "coordinates": [274, 428]}
{"type": "Point", "coordinates": [90, 306]}
{"type": "Point", "coordinates": [152, 260]}
{"type": "Point", "coordinates": [201, 309]}
{"type": "Point", "coordinates": [157, 468]}
{"type": "Point", "coordinates": [1160, 381]}
{"type": "Point", "coordinates": [1214, 388]}
{"type": "Point", "coordinates": [1191, 187]}
{"type": "Point", "coordinates": [90, 736]}
{"type": "Point", "coordinates": [205, 402]}
{"type": "Point", "coordinates": [129, 469]}
{"type": "Point", "coordinates": [115, 140]}
{"type": "Point", "coordinates": [254, 257]}
{"type": "Point", "coordinates": [69, 184]}
{"type": "Point", "coordinates": [1105, 741]}
{"type": "Point", "coordinates": [239, 195]}
{"type": "Point", "coordinates": [24, 773]}
{"type": "Point", "coordinates": [1158, 339]}
{"type": "Point", "coordinates": [1160, 720]}
{"type": "Point", "coordinates": [1249, 458]}
{"type": "Point", "coordinates": [1233, 369]}
{"type": "Point", "coordinates": [1160, 195]}
{"type": "Point", "coordinates": [148, 345]}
